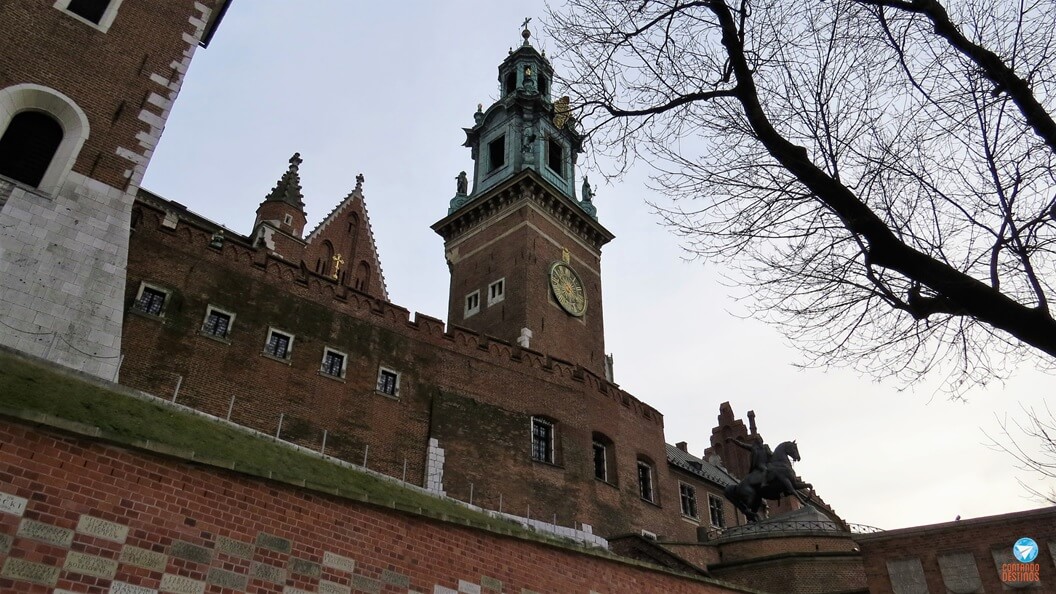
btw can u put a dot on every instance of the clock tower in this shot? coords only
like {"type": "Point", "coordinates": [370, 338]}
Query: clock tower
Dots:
{"type": "Point", "coordinates": [524, 252]}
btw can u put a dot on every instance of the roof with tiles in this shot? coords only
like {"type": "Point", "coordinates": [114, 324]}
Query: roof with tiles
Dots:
{"type": "Point", "coordinates": [697, 466]}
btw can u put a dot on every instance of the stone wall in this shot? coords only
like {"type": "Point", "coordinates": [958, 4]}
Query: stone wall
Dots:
{"type": "Point", "coordinates": [81, 515]}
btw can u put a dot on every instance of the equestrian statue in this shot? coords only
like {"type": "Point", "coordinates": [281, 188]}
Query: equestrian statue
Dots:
{"type": "Point", "coordinates": [770, 477]}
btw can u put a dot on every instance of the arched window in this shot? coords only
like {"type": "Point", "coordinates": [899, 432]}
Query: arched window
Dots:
{"type": "Point", "coordinates": [24, 106]}
{"type": "Point", "coordinates": [362, 280]}
{"type": "Point", "coordinates": [353, 233]}
{"type": "Point", "coordinates": [28, 146]}
{"type": "Point", "coordinates": [326, 258]}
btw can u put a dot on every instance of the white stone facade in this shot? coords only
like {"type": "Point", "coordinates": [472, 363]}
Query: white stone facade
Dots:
{"type": "Point", "coordinates": [62, 272]}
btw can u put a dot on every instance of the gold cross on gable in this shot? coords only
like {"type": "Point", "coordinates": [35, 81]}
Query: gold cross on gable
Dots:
{"type": "Point", "coordinates": [338, 260]}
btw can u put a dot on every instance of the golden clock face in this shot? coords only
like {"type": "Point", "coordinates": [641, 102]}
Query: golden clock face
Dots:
{"type": "Point", "coordinates": [568, 289]}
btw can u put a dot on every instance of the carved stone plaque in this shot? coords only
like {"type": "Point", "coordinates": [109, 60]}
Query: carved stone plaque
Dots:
{"type": "Point", "coordinates": [35, 530]}
{"type": "Point", "coordinates": [335, 561]}
{"type": "Point", "coordinates": [178, 584]}
{"type": "Point", "coordinates": [92, 565]}
{"type": "Point", "coordinates": [304, 567]}
{"type": "Point", "coordinates": [328, 587]}
{"type": "Point", "coordinates": [123, 588]}
{"type": "Point", "coordinates": [960, 573]}
{"type": "Point", "coordinates": [144, 558]}
{"type": "Point", "coordinates": [365, 584]}
{"type": "Point", "coordinates": [275, 543]}
{"type": "Point", "coordinates": [268, 573]}
{"type": "Point", "coordinates": [27, 571]}
{"type": "Point", "coordinates": [227, 579]}
{"type": "Point", "coordinates": [235, 548]}
{"type": "Point", "coordinates": [190, 552]}
{"type": "Point", "coordinates": [11, 504]}
{"type": "Point", "coordinates": [104, 529]}
{"type": "Point", "coordinates": [907, 576]}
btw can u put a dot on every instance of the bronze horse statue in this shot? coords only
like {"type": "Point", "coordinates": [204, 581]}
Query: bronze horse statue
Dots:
{"type": "Point", "coordinates": [776, 481]}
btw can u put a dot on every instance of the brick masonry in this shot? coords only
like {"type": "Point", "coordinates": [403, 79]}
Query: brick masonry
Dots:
{"type": "Point", "coordinates": [962, 556]}
{"type": "Point", "coordinates": [107, 519]}
{"type": "Point", "coordinates": [63, 249]}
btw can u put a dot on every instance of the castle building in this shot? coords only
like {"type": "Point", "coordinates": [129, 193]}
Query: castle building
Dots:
{"type": "Point", "coordinates": [508, 405]}
{"type": "Point", "coordinates": [78, 124]}
{"type": "Point", "coordinates": [291, 332]}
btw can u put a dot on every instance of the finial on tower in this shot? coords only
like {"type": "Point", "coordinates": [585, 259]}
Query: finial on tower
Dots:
{"type": "Point", "coordinates": [295, 161]}
{"type": "Point", "coordinates": [526, 33]}
{"type": "Point", "coordinates": [359, 183]}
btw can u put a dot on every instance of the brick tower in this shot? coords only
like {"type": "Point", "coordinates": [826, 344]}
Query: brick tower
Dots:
{"type": "Point", "coordinates": [85, 89]}
{"type": "Point", "coordinates": [524, 253]}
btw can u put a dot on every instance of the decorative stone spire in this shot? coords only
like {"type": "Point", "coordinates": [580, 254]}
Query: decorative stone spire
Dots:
{"type": "Point", "coordinates": [288, 189]}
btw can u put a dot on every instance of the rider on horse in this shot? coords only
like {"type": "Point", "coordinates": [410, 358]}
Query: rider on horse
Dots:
{"type": "Point", "coordinates": [760, 457]}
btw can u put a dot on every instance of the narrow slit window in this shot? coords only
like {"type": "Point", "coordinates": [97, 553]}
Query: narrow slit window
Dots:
{"type": "Point", "coordinates": [645, 481]}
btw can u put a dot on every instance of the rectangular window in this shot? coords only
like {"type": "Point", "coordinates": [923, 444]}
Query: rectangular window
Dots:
{"type": "Point", "coordinates": [333, 363]}
{"type": "Point", "coordinates": [688, 496]}
{"type": "Point", "coordinates": [555, 157]}
{"type": "Point", "coordinates": [151, 300]}
{"type": "Point", "coordinates": [388, 382]}
{"type": "Point", "coordinates": [718, 518]}
{"type": "Point", "coordinates": [100, 14]}
{"type": "Point", "coordinates": [472, 304]}
{"type": "Point", "coordinates": [542, 440]}
{"type": "Point", "coordinates": [497, 291]}
{"type": "Point", "coordinates": [89, 10]}
{"type": "Point", "coordinates": [601, 468]}
{"type": "Point", "coordinates": [279, 344]}
{"type": "Point", "coordinates": [496, 153]}
{"type": "Point", "coordinates": [217, 323]}
{"type": "Point", "coordinates": [645, 481]}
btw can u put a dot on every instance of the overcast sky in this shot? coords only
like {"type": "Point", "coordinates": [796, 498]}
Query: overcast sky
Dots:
{"type": "Point", "coordinates": [384, 89]}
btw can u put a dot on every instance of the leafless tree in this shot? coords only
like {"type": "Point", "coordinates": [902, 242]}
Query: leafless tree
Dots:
{"type": "Point", "coordinates": [1030, 438]}
{"type": "Point", "coordinates": [881, 171]}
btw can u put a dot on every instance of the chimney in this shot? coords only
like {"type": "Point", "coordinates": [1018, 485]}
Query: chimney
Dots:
{"type": "Point", "coordinates": [683, 446]}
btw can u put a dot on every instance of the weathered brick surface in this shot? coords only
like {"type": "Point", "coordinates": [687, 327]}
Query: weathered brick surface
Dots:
{"type": "Point", "coordinates": [802, 573]}
{"type": "Point", "coordinates": [979, 537]}
{"type": "Point", "coordinates": [475, 395]}
{"type": "Point", "coordinates": [188, 510]}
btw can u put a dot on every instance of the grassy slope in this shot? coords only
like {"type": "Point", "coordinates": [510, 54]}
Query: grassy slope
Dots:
{"type": "Point", "coordinates": [28, 390]}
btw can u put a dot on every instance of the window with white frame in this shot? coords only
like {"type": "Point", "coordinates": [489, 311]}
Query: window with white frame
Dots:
{"type": "Point", "coordinates": [388, 382]}
{"type": "Point", "coordinates": [279, 344]}
{"type": "Point", "coordinates": [472, 304]}
{"type": "Point", "coordinates": [151, 300]}
{"type": "Point", "coordinates": [217, 322]}
{"type": "Point", "coordinates": [542, 440]}
{"type": "Point", "coordinates": [333, 363]}
{"type": "Point", "coordinates": [718, 517]}
{"type": "Point", "coordinates": [645, 481]}
{"type": "Point", "coordinates": [497, 291]}
{"type": "Point", "coordinates": [287, 219]}
{"type": "Point", "coordinates": [100, 14]}
{"type": "Point", "coordinates": [688, 498]}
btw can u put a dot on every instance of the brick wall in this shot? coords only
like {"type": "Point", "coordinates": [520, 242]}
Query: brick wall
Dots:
{"type": "Point", "coordinates": [970, 550]}
{"type": "Point", "coordinates": [63, 245]}
{"type": "Point", "coordinates": [441, 375]}
{"type": "Point", "coordinates": [90, 517]}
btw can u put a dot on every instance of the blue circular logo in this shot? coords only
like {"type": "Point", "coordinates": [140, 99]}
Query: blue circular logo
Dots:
{"type": "Point", "coordinates": [1025, 550]}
